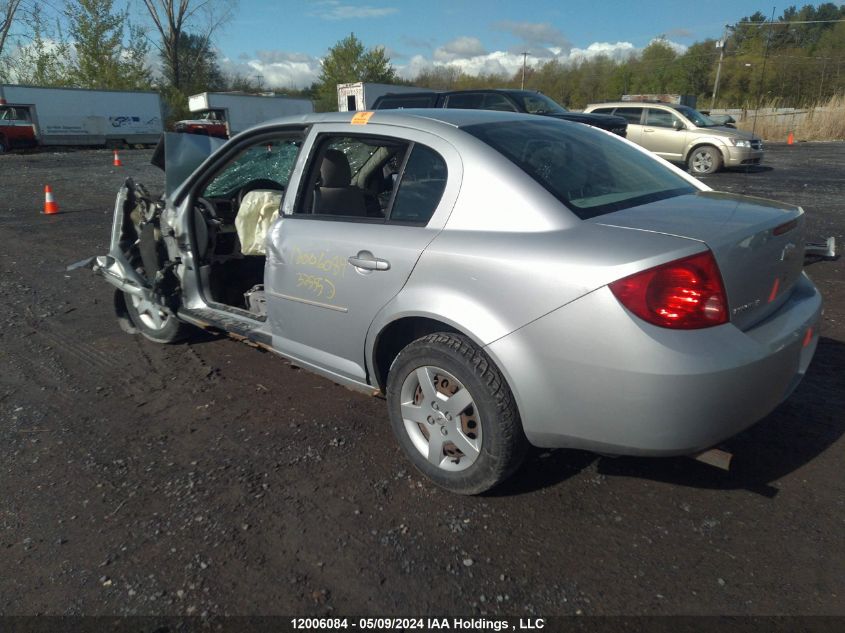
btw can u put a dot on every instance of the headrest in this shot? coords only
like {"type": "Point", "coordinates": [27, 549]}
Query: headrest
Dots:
{"type": "Point", "coordinates": [335, 171]}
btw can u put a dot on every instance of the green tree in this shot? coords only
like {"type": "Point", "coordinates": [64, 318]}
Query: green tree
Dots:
{"type": "Point", "coordinates": [173, 19]}
{"type": "Point", "coordinates": [346, 62]}
{"type": "Point", "coordinates": [199, 68]}
{"type": "Point", "coordinates": [44, 60]}
{"type": "Point", "coordinates": [101, 60]}
{"type": "Point", "coordinates": [8, 9]}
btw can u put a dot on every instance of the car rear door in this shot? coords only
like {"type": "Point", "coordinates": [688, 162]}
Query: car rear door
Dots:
{"type": "Point", "coordinates": [633, 116]}
{"type": "Point", "coordinates": [660, 135]}
{"type": "Point", "coordinates": [332, 260]}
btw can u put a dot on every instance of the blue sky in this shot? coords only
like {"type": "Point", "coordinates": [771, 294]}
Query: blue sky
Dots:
{"type": "Point", "coordinates": [282, 41]}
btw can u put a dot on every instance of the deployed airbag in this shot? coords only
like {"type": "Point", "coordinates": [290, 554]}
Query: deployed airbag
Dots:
{"type": "Point", "coordinates": [257, 212]}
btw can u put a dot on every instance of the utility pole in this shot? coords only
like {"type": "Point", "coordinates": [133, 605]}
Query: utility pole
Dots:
{"type": "Point", "coordinates": [721, 45]}
{"type": "Point", "coordinates": [524, 57]}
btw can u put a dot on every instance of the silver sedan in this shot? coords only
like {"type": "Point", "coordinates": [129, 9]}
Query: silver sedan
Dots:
{"type": "Point", "coordinates": [502, 279]}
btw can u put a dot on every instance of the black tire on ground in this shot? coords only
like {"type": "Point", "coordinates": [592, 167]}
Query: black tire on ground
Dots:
{"type": "Point", "coordinates": [3, 145]}
{"type": "Point", "coordinates": [154, 324]}
{"type": "Point", "coordinates": [704, 160]}
{"type": "Point", "coordinates": [501, 441]}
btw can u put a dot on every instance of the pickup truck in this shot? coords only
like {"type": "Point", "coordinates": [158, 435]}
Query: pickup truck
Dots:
{"type": "Point", "coordinates": [527, 101]}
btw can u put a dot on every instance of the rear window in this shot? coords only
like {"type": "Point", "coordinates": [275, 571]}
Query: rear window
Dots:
{"type": "Point", "coordinates": [590, 172]}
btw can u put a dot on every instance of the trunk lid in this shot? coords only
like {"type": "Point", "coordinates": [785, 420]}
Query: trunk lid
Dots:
{"type": "Point", "coordinates": [758, 244]}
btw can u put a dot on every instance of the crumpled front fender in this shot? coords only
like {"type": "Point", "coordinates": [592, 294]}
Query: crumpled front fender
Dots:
{"type": "Point", "coordinates": [114, 267]}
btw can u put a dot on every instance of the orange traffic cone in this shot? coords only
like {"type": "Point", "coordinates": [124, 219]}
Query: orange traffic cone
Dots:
{"type": "Point", "coordinates": [50, 205]}
{"type": "Point", "coordinates": [117, 162]}
{"type": "Point", "coordinates": [790, 139]}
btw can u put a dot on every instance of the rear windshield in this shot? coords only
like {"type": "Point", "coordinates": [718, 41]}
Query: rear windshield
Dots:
{"type": "Point", "coordinates": [592, 173]}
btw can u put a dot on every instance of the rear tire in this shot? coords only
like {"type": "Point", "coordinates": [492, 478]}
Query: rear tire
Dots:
{"type": "Point", "coordinates": [153, 322]}
{"type": "Point", "coordinates": [454, 414]}
{"type": "Point", "coordinates": [704, 160]}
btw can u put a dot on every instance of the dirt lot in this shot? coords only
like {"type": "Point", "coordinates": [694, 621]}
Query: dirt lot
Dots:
{"type": "Point", "coordinates": [209, 477]}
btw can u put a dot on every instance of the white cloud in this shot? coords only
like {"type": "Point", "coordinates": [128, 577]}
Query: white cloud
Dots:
{"type": "Point", "coordinates": [510, 62]}
{"type": "Point", "coordinates": [278, 69]}
{"type": "Point", "coordinates": [462, 47]}
{"type": "Point", "coordinates": [535, 34]}
{"type": "Point", "coordinates": [617, 51]}
{"type": "Point", "coordinates": [337, 10]}
{"type": "Point", "coordinates": [297, 70]}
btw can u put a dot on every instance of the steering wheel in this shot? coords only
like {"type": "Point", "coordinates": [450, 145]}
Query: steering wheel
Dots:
{"type": "Point", "coordinates": [258, 183]}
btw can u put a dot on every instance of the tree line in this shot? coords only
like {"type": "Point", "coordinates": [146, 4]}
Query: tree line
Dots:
{"type": "Point", "coordinates": [95, 44]}
{"type": "Point", "coordinates": [796, 59]}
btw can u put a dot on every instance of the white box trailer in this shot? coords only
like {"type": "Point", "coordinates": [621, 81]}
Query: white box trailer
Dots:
{"type": "Point", "coordinates": [225, 114]}
{"type": "Point", "coordinates": [361, 95]}
{"type": "Point", "coordinates": [33, 115]}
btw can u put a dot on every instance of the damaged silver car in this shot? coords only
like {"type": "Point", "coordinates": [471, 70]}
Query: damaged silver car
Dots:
{"type": "Point", "coordinates": [501, 280]}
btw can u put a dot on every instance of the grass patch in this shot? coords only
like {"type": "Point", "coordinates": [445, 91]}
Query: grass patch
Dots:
{"type": "Point", "coordinates": [824, 121]}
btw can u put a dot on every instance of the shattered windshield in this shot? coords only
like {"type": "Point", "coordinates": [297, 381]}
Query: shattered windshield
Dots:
{"type": "Point", "coordinates": [272, 160]}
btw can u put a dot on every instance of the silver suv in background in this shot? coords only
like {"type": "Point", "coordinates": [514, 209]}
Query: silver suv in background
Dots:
{"type": "Point", "coordinates": [681, 134]}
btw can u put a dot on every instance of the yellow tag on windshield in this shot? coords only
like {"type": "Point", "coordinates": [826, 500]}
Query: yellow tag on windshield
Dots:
{"type": "Point", "coordinates": [362, 118]}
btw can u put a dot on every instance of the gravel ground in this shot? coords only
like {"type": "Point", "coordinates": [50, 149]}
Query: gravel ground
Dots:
{"type": "Point", "coordinates": [212, 478]}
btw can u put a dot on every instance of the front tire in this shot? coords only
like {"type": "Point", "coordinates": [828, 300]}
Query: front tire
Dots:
{"type": "Point", "coordinates": [152, 321]}
{"type": "Point", "coordinates": [454, 414]}
{"type": "Point", "coordinates": [704, 160]}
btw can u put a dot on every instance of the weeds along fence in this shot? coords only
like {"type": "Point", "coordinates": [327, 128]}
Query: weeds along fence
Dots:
{"type": "Point", "coordinates": [824, 121]}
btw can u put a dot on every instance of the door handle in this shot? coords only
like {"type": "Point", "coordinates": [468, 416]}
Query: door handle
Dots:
{"type": "Point", "coordinates": [366, 261]}
{"type": "Point", "coordinates": [648, 129]}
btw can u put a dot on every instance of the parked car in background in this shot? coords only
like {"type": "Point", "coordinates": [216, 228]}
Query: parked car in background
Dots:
{"type": "Point", "coordinates": [501, 278]}
{"type": "Point", "coordinates": [527, 101]}
{"type": "Point", "coordinates": [681, 134]}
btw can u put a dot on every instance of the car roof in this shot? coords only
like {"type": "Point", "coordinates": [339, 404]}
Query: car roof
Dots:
{"type": "Point", "coordinates": [420, 118]}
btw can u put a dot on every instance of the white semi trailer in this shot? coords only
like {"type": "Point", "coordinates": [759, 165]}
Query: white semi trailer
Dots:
{"type": "Point", "coordinates": [33, 115]}
{"type": "Point", "coordinates": [224, 114]}
{"type": "Point", "coordinates": [361, 95]}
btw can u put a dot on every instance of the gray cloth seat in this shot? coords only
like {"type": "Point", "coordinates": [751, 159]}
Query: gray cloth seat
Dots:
{"type": "Point", "coordinates": [336, 195]}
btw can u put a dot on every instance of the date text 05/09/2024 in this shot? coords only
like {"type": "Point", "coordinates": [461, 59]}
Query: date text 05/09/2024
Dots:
{"type": "Point", "coordinates": [422, 624]}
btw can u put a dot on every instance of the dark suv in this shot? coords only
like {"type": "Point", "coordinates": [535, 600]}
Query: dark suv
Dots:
{"type": "Point", "coordinates": [529, 101]}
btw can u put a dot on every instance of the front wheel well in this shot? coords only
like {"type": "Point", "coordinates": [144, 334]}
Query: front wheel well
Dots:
{"type": "Point", "coordinates": [396, 336]}
{"type": "Point", "coordinates": [704, 144]}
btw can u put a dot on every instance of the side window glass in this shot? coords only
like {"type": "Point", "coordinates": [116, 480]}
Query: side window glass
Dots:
{"type": "Point", "coordinates": [659, 118]}
{"type": "Point", "coordinates": [421, 188]}
{"type": "Point", "coordinates": [603, 111]}
{"type": "Point", "coordinates": [394, 103]}
{"type": "Point", "coordinates": [493, 101]}
{"type": "Point", "coordinates": [631, 115]}
{"type": "Point", "coordinates": [469, 101]}
{"type": "Point", "coordinates": [352, 177]}
{"type": "Point", "coordinates": [265, 165]}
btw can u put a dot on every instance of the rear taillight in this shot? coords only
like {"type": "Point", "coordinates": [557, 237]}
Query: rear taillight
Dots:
{"type": "Point", "coordinates": [684, 294]}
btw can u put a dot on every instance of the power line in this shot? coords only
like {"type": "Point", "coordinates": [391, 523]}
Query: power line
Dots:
{"type": "Point", "coordinates": [790, 22]}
